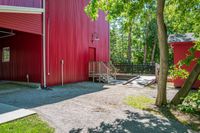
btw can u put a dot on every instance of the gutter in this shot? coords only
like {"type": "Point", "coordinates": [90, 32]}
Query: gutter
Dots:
{"type": "Point", "coordinates": [44, 45]}
{"type": "Point", "coordinates": [17, 9]}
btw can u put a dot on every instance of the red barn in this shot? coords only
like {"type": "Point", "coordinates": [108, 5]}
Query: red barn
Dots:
{"type": "Point", "coordinates": [181, 43]}
{"type": "Point", "coordinates": [50, 41]}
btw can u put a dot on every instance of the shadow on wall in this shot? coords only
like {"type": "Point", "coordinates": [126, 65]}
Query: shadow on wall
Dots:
{"type": "Point", "coordinates": [137, 123]}
{"type": "Point", "coordinates": [30, 98]}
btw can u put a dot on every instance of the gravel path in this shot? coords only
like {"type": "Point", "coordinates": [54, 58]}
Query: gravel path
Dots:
{"type": "Point", "coordinates": [93, 107]}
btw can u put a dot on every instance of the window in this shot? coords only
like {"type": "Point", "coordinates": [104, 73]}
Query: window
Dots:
{"type": "Point", "coordinates": [6, 54]}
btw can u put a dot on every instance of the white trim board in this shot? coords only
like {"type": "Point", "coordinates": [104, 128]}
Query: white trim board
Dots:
{"type": "Point", "coordinates": [17, 9]}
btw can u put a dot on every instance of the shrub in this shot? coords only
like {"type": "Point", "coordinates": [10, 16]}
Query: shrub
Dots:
{"type": "Point", "coordinates": [191, 104]}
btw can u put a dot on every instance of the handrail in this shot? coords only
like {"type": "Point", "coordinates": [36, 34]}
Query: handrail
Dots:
{"type": "Point", "coordinates": [102, 70]}
{"type": "Point", "coordinates": [114, 69]}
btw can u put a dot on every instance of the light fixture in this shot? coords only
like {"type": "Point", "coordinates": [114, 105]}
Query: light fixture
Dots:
{"type": "Point", "coordinates": [95, 37]}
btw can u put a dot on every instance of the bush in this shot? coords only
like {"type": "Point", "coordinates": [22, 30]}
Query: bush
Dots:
{"type": "Point", "coordinates": [191, 104]}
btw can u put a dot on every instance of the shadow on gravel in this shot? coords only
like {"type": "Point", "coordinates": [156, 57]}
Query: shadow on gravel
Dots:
{"type": "Point", "coordinates": [30, 98]}
{"type": "Point", "coordinates": [137, 123]}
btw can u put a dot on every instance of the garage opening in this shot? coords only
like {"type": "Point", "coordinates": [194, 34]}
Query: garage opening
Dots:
{"type": "Point", "coordinates": [20, 57]}
{"type": "Point", "coordinates": [21, 44]}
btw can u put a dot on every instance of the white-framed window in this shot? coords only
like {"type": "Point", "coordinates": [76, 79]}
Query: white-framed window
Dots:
{"type": "Point", "coordinates": [6, 54]}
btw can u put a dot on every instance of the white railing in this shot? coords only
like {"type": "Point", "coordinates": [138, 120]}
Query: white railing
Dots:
{"type": "Point", "coordinates": [102, 71]}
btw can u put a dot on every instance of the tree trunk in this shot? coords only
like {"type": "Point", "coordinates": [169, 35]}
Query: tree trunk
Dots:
{"type": "Point", "coordinates": [122, 49]}
{"type": "Point", "coordinates": [146, 44]}
{"type": "Point", "coordinates": [129, 45]}
{"type": "Point", "coordinates": [163, 45]}
{"type": "Point", "coordinates": [153, 51]}
{"type": "Point", "coordinates": [183, 92]}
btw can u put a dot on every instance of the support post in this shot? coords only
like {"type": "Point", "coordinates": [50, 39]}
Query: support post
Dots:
{"type": "Point", "coordinates": [93, 70]}
{"type": "Point", "coordinates": [99, 71]}
{"type": "Point", "coordinates": [62, 72]}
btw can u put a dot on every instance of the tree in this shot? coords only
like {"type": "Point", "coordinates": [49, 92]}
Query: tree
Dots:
{"type": "Point", "coordinates": [163, 45]}
{"type": "Point", "coordinates": [183, 17]}
{"type": "Point", "coordinates": [129, 10]}
{"type": "Point", "coordinates": [179, 97]}
{"type": "Point", "coordinates": [146, 43]}
{"type": "Point", "coordinates": [129, 52]}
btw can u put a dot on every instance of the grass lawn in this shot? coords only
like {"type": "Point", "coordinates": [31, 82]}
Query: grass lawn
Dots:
{"type": "Point", "coordinates": [30, 124]}
{"type": "Point", "coordinates": [139, 102]}
{"type": "Point", "coordinates": [147, 104]}
{"type": "Point", "coordinates": [10, 86]}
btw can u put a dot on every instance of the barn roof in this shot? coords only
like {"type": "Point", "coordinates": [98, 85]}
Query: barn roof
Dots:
{"type": "Point", "coordinates": [188, 37]}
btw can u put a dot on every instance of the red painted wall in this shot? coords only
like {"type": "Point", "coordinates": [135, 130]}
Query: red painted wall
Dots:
{"type": "Point", "coordinates": [69, 38]}
{"type": "Point", "coordinates": [22, 3]}
{"type": "Point", "coordinates": [25, 50]}
{"type": "Point", "coordinates": [31, 23]}
{"type": "Point", "coordinates": [69, 35]}
{"type": "Point", "coordinates": [181, 50]}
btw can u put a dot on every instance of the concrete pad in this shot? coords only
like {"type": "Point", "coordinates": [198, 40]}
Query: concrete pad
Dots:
{"type": "Point", "coordinates": [9, 113]}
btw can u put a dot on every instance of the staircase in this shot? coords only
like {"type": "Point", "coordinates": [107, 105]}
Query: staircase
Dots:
{"type": "Point", "coordinates": [102, 72]}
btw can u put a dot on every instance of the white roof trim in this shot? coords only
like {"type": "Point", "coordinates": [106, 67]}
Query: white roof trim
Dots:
{"type": "Point", "coordinates": [188, 37]}
{"type": "Point", "coordinates": [17, 9]}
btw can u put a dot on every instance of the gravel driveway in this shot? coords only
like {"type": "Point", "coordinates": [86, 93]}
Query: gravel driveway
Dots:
{"type": "Point", "coordinates": [93, 107]}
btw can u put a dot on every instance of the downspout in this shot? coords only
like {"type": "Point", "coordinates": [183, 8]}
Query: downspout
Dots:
{"type": "Point", "coordinates": [44, 45]}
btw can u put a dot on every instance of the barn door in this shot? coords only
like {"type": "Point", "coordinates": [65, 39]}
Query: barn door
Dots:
{"type": "Point", "coordinates": [92, 54]}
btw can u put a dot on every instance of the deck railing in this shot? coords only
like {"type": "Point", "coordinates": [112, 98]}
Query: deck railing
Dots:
{"type": "Point", "coordinates": [136, 68]}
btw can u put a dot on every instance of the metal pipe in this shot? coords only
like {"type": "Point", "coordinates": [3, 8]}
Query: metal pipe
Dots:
{"type": "Point", "coordinates": [62, 71]}
{"type": "Point", "coordinates": [7, 36]}
{"type": "Point", "coordinates": [99, 71]}
{"type": "Point", "coordinates": [47, 45]}
{"type": "Point", "coordinates": [44, 44]}
{"type": "Point", "coordinates": [6, 32]}
{"type": "Point", "coordinates": [27, 78]}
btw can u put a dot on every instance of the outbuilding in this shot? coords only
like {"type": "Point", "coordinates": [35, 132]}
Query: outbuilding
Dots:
{"type": "Point", "coordinates": [181, 44]}
{"type": "Point", "coordinates": [50, 42]}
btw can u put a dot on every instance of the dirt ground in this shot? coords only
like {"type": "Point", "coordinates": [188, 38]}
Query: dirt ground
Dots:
{"type": "Point", "coordinates": [94, 107]}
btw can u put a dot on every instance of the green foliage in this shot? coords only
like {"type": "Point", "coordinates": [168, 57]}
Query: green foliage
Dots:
{"type": "Point", "coordinates": [139, 102]}
{"type": "Point", "coordinates": [31, 124]}
{"type": "Point", "coordinates": [178, 72]}
{"type": "Point", "coordinates": [191, 104]}
{"type": "Point", "coordinates": [183, 16]}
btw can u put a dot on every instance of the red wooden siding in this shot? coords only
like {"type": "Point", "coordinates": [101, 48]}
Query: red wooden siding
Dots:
{"type": "Point", "coordinates": [22, 3]}
{"type": "Point", "coordinates": [101, 27]}
{"type": "Point", "coordinates": [31, 23]}
{"type": "Point", "coordinates": [181, 50]}
{"type": "Point", "coordinates": [69, 38]}
{"type": "Point", "coordinates": [69, 35]}
{"type": "Point", "coordinates": [25, 50]}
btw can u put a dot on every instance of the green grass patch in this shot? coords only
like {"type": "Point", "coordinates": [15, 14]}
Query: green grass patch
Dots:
{"type": "Point", "coordinates": [30, 124]}
{"type": "Point", "coordinates": [7, 86]}
{"type": "Point", "coordinates": [139, 102]}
